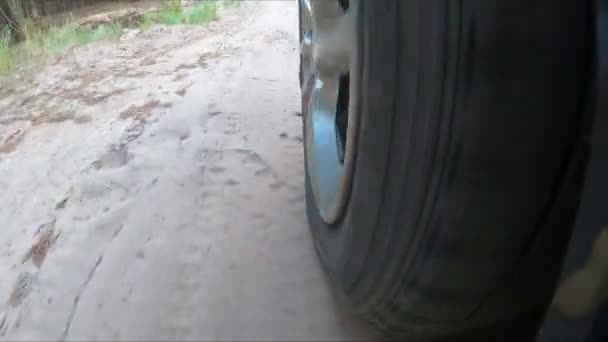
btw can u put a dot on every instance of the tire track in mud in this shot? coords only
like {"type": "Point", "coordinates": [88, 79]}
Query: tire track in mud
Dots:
{"type": "Point", "coordinates": [92, 198]}
{"type": "Point", "coordinates": [233, 237]}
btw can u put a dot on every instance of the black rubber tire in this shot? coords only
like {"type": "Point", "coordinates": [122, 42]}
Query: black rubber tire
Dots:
{"type": "Point", "coordinates": [469, 165]}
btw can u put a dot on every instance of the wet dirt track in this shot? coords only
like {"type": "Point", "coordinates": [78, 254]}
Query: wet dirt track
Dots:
{"type": "Point", "coordinates": [168, 168]}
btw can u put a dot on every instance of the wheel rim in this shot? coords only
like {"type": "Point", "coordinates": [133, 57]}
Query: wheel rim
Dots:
{"type": "Point", "coordinates": [330, 114]}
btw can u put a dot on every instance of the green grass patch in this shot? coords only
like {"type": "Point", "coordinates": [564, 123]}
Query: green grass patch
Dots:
{"type": "Point", "coordinates": [50, 42]}
{"type": "Point", "coordinates": [6, 57]}
{"type": "Point", "coordinates": [172, 13]}
{"type": "Point", "coordinates": [201, 13]}
{"type": "Point", "coordinates": [148, 19]}
{"type": "Point", "coordinates": [58, 39]}
{"type": "Point", "coordinates": [231, 3]}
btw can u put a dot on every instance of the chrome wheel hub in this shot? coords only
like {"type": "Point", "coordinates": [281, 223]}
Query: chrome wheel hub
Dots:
{"type": "Point", "coordinates": [330, 107]}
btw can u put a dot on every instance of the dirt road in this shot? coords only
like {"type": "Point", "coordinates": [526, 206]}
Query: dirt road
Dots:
{"type": "Point", "coordinates": [160, 181]}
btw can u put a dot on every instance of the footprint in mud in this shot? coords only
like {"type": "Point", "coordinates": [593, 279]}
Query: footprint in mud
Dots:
{"type": "Point", "coordinates": [205, 58]}
{"type": "Point", "coordinates": [43, 240]}
{"type": "Point", "coordinates": [276, 185]}
{"type": "Point", "coordinates": [185, 66]}
{"type": "Point", "coordinates": [10, 143]}
{"type": "Point", "coordinates": [83, 119]}
{"type": "Point", "coordinates": [217, 169]}
{"type": "Point", "coordinates": [232, 124]}
{"type": "Point", "coordinates": [264, 171]}
{"type": "Point", "coordinates": [182, 91]}
{"type": "Point", "coordinates": [252, 157]}
{"type": "Point", "coordinates": [21, 289]}
{"type": "Point", "coordinates": [116, 157]}
{"type": "Point", "coordinates": [253, 165]}
{"type": "Point", "coordinates": [179, 77]}
{"type": "Point", "coordinates": [209, 155]}
{"type": "Point", "coordinates": [132, 132]}
{"type": "Point", "coordinates": [231, 182]}
{"type": "Point", "coordinates": [140, 112]}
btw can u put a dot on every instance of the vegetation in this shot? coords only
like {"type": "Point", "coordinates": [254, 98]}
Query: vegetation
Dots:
{"type": "Point", "coordinates": [22, 38]}
{"type": "Point", "coordinates": [172, 13]}
{"type": "Point", "coordinates": [229, 3]}
{"type": "Point", "coordinates": [17, 12]}
{"type": "Point", "coordinates": [6, 60]}
{"type": "Point", "coordinates": [49, 43]}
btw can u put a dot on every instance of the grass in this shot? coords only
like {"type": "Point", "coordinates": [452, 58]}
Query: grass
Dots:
{"type": "Point", "coordinates": [229, 3]}
{"type": "Point", "coordinates": [51, 42]}
{"type": "Point", "coordinates": [202, 13]}
{"type": "Point", "coordinates": [55, 40]}
{"type": "Point", "coordinates": [6, 62]}
{"type": "Point", "coordinates": [172, 13]}
{"type": "Point", "coordinates": [58, 39]}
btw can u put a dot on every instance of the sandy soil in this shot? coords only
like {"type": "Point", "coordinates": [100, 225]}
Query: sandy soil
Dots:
{"type": "Point", "coordinates": [152, 188]}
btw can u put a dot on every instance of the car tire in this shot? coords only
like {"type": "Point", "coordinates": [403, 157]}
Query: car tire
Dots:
{"type": "Point", "coordinates": [469, 161]}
